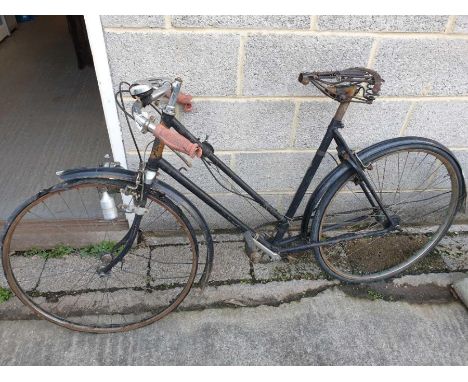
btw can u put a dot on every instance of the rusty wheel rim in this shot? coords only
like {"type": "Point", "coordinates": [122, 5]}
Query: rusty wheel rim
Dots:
{"type": "Point", "coordinates": [113, 327]}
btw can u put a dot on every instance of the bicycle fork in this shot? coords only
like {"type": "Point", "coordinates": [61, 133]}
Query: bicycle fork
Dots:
{"type": "Point", "coordinates": [127, 241]}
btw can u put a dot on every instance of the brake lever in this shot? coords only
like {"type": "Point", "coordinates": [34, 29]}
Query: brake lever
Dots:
{"type": "Point", "coordinates": [188, 162]}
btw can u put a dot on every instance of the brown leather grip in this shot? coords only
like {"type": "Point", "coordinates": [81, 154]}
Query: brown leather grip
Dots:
{"type": "Point", "coordinates": [176, 141]}
{"type": "Point", "coordinates": [185, 99]}
{"type": "Point", "coordinates": [303, 79]}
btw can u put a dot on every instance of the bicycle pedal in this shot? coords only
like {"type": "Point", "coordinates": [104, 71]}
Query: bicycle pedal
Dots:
{"type": "Point", "coordinates": [254, 253]}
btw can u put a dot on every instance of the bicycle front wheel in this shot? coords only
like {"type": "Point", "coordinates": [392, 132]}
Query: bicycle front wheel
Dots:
{"type": "Point", "coordinates": [420, 187]}
{"type": "Point", "coordinates": [57, 243]}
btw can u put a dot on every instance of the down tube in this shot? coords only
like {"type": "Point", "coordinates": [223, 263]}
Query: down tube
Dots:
{"type": "Point", "coordinates": [209, 153]}
{"type": "Point", "coordinates": [197, 191]}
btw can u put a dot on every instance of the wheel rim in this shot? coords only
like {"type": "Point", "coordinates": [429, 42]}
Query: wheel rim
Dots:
{"type": "Point", "coordinates": [420, 188]}
{"type": "Point", "coordinates": [57, 277]}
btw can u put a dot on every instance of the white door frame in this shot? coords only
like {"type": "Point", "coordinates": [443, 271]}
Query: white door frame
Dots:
{"type": "Point", "coordinates": [106, 90]}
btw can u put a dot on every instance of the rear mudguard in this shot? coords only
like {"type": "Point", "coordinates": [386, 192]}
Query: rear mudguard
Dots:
{"type": "Point", "coordinates": [175, 196]}
{"type": "Point", "coordinates": [366, 155]}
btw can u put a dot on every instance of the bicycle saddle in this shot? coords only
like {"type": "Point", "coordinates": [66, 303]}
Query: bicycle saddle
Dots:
{"type": "Point", "coordinates": [348, 85]}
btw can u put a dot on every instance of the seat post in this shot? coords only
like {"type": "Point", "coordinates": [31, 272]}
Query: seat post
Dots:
{"type": "Point", "coordinates": [340, 112]}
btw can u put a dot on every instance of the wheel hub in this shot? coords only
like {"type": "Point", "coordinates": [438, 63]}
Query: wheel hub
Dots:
{"type": "Point", "coordinates": [106, 258]}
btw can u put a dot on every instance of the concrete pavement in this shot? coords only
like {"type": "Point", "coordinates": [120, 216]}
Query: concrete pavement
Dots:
{"type": "Point", "coordinates": [331, 328]}
{"type": "Point", "coordinates": [267, 316]}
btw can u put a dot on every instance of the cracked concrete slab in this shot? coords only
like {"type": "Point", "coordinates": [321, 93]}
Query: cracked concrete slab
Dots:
{"type": "Point", "coordinates": [440, 279]}
{"type": "Point", "coordinates": [29, 269]}
{"type": "Point", "coordinates": [301, 267]}
{"type": "Point", "coordinates": [453, 249]}
{"type": "Point", "coordinates": [328, 329]}
{"type": "Point", "coordinates": [461, 289]}
{"type": "Point", "coordinates": [273, 293]}
{"type": "Point", "coordinates": [233, 273]}
{"type": "Point", "coordinates": [418, 289]}
{"type": "Point", "coordinates": [230, 262]}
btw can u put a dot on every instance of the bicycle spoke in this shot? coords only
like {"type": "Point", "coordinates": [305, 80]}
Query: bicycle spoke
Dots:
{"type": "Point", "coordinates": [93, 276]}
{"type": "Point", "coordinates": [60, 275]}
{"type": "Point", "coordinates": [415, 187]}
{"type": "Point", "coordinates": [75, 286]}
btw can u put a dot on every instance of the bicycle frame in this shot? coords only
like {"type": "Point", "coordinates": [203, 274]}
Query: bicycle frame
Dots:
{"type": "Point", "coordinates": [156, 162]}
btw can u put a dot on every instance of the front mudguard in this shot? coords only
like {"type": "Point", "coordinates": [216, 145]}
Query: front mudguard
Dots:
{"type": "Point", "coordinates": [159, 187]}
{"type": "Point", "coordinates": [366, 156]}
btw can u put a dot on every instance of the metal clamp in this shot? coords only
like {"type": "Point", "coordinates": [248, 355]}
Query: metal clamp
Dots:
{"type": "Point", "coordinates": [133, 209]}
{"type": "Point", "coordinates": [109, 163]}
{"type": "Point", "coordinates": [363, 166]}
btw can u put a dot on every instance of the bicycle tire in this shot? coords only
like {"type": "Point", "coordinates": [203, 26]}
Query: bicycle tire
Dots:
{"type": "Point", "coordinates": [117, 302]}
{"type": "Point", "coordinates": [378, 258]}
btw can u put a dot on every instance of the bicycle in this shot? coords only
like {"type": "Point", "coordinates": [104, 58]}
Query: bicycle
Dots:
{"type": "Point", "coordinates": [110, 249]}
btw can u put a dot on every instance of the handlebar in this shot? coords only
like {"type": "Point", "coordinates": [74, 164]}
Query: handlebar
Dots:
{"type": "Point", "coordinates": [149, 93]}
{"type": "Point", "coordinates": [143, 121]}
{"type": "Point", "coordinates": [162, 91]}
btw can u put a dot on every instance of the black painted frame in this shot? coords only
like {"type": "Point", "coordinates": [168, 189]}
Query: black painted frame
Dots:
{"type": "Point", "coordinates": [277, 243]}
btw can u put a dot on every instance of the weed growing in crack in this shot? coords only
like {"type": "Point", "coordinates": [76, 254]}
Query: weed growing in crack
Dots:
{"type": "Point", "coordinates": [99, 248]}
{"type": "Point", "coordinates": [64, 250]}
{"type": "Point", "coordinates": [56, 252]}
{"type": "Point", "coordinates": [5, 294]}
{"type": "Point", "coordinates": [374, 295]}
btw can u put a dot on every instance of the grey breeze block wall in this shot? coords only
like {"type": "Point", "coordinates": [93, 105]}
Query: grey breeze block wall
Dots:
{"type": "Point", "coordinates": [242, 72]}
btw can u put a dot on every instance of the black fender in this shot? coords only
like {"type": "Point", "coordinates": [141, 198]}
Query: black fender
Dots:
{"type": "Point", "coordinates": [119, 173]}
{"type": "Point", "coordinates": [366, 155]}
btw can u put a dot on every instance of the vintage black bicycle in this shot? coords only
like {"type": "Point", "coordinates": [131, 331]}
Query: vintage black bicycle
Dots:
{"type": "Point", "coordinates": [110, 249]}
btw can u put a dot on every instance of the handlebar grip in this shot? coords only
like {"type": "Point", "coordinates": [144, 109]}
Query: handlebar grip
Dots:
{"type": "Point", "coordinates": [303, 78]}
{"type": "Point", "coordinates": [185, 100]}
{"type": "Point", "coordinates": [176, 141]}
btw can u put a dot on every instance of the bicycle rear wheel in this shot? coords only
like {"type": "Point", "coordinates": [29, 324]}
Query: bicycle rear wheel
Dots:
{"type": "Point", "coordinates": [56, 243]}
{"type": "Point", "coordinates": [419, 185]}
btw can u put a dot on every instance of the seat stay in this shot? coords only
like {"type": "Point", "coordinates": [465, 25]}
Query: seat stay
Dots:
{"type": "Point", "coordinates": [351, 157]}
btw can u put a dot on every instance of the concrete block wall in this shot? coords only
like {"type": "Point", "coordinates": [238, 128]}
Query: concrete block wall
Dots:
{"type": "Point", "coordinates": [242, 72]}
